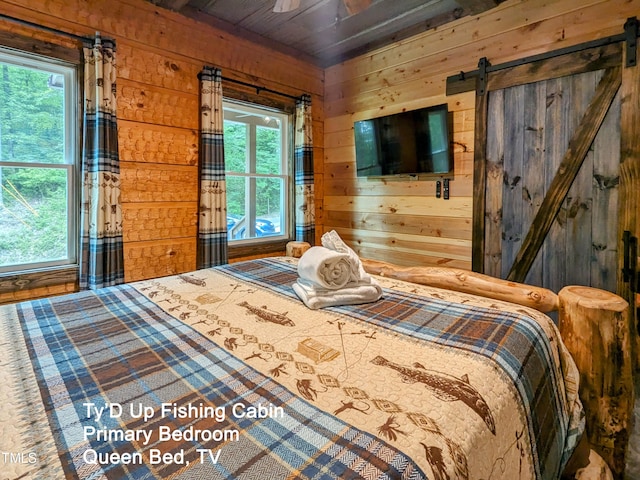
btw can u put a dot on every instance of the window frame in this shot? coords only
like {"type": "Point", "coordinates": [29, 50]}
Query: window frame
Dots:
{"type": "Point", "coordinates": [67, 64]}
{"type": "Point", "coordinates": [239, 247]}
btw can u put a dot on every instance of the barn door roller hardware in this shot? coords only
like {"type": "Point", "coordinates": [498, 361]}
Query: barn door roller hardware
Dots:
{"type": "Point", "coordinates": [483, 65]}
{"type": "Point", "coordinates": [631, 40]}
{"type": "Point", "coordinates": [468, 81]}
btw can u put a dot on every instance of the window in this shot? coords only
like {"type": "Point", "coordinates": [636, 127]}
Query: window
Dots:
{"type": "Point", "coordinates": [256, 143]}
{"type": "Point", "coordinates": [37, 162]}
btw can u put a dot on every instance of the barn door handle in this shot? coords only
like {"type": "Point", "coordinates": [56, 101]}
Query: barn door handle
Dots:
{"type": "Point", "coordinates": [630, 273]}
{"type": "Point", "coordinates": [630, 265]}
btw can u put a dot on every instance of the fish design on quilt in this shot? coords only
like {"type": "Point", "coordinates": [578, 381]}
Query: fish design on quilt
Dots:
{"type": "Point", "coordinates": [446, 387]}
{"type": "Point", "coordinates": [267, 315]}
{"type": "Point", "coordinates": [193, 280]}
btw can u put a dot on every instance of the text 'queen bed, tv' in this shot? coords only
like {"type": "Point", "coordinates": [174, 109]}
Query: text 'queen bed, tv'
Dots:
{"type": "Point", "coordinates": [224, 373]}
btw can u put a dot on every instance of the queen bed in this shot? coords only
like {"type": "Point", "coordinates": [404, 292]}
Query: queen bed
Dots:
{"type": "Point", "coordinates": [224, 373]}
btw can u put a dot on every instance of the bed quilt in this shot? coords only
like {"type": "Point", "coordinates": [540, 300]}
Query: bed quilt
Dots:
{"type": "Point", "coordinates": [223, 373]}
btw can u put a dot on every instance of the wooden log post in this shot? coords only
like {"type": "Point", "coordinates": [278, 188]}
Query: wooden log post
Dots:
{"type": "Point", "coordinates": [596, 470]}
{"type": "Point", "coordinates": [297, 249]}
{"type": "Point", "coordinates": [595, 327]}
{"type": "Point", "coordinates": [628, 198]}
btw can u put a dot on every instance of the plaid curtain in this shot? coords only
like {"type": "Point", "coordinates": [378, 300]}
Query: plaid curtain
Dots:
{"type": "Point", "coordinates": [304, 207]}
{"type": "Point", "coordinates": [212, 224]}
{"type": "Point", "coordinates": [101, 250]}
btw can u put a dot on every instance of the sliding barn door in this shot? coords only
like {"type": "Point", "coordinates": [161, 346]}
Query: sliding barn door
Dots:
{"type": "Point", "coordinates": [531, 131]}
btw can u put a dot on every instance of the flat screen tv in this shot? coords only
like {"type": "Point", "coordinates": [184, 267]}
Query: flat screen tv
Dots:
{"type": "Point", "coordinates": [407, 143]}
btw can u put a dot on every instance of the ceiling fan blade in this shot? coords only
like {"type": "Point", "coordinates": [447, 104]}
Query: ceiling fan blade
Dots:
{"type": "Point", "coordinates": [282, 6]}
{"type": "Point", "coordinates": [356, 6]}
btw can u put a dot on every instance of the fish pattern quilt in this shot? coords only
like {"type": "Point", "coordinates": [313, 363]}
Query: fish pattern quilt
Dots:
{"type": "Point", "coordinates": [224, 373]}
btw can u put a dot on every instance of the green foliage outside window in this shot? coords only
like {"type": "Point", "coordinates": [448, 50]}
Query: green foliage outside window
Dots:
{"type": "Point", "coordinates": [33, 198]}
{"type": "Point", "coordinates": [268, 161]}
{"type": "Point", "coordinates": [31, 117]}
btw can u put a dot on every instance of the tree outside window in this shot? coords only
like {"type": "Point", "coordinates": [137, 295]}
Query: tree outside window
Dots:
{"type": "Point", "coordinates": [37, 162]}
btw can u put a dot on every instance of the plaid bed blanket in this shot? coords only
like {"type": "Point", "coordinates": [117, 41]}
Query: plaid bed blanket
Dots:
{"type": "Point", "coordinates": [223, 373]}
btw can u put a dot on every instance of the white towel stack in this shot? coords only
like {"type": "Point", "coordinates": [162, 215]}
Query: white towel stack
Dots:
{"type": "Point", "coordinates": [333, 275]}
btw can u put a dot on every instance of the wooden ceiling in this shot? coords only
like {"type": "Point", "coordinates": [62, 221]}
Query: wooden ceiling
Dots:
{"type": "Point", "coordinates": [322, 31]}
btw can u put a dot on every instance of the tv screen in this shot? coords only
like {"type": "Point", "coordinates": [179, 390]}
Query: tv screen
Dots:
{"type": "Point", "coordinates": [407, 143]}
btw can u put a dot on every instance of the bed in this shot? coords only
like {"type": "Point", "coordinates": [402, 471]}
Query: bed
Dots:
{"type": "Point", "coordinates": [224, 373]}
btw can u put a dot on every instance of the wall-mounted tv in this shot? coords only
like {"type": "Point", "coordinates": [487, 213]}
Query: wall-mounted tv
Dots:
{"type": "Point", "coordinates": [407, 143]}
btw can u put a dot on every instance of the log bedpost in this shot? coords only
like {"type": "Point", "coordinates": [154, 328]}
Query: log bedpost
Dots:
{"type": "Point", "coordinates": [596, 470]}
{"type": "Point", "coordinates": [595, 327]}
{"type": "Point", "coordinates": [297, 249]}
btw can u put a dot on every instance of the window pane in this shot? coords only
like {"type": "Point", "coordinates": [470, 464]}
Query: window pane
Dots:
{"type": "Point", "coordinates": [33, 215]}
{"type": "Point", "coordinates": [268, 150]}
{"type": "Point", "coordinates": [235, 146]}
{"type": "Point", "coordinates": [269, 191]}
{"type": "Point", "coordinates": [235, 195]}
{"type": "Point", "coordinates": [236, 198]}
{"type": "Point", "coordinates": [268, 216]}
{"type": "Point", "coordinates": [257, 160]}
{"type": "Point", "coordinates": [31, 115]}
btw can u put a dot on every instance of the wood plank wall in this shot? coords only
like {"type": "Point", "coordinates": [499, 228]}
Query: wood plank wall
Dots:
{"type": "Point", "coordinates": [402, 221]}
{"type": "Point", "coordinates": [161, 52]}
{"type": "Point", "coordinates": [159, 56]}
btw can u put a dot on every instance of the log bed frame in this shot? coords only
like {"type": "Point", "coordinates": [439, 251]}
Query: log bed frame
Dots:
{"type": "Point", "coordinates": [594, 325]}
{"type": "Point", "coordinates": [596, 328]}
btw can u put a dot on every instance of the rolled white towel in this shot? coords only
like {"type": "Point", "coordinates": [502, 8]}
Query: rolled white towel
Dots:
{"type": "Point", "coordinates": [315, 298]}
{"type": "Point", "coordinates": [332, 241]}
{"type": "Point", "coordinates": [325, 268]}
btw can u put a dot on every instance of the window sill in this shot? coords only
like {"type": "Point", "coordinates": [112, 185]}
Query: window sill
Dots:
{"type": "Point", "coordinates": [254, 250]}
{"type": "Point", "coordinates": [14, 282]}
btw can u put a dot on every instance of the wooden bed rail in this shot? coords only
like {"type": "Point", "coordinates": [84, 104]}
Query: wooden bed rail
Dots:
{"type": "Point", "coordinates": [456, 279]}
{"type": "Point", "coordinates": [466, 281]}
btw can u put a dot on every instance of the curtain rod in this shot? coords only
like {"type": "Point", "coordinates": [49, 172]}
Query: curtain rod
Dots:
{"type": "Point", "coordinates": [261, 89]}
{"type": "Point", "coordinates": [88, 40]}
